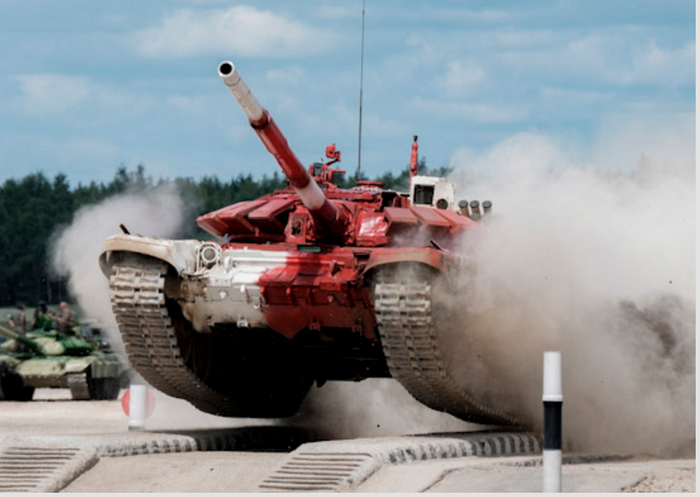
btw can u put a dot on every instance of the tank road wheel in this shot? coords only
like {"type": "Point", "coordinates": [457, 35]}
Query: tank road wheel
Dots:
{"type": "Point", "coordinates": [223, 372]}
{"type": "Point", "coordinates": [410, 331]}
{"type": "Point", "coordinates": [84, 387]}
{"type": "Point", "coordinates": [255, 369]}
{"type": "Point", "coordinates": [78, 385]}
{"type": "Point", "coordinates": [104, 388]}
{"type": "Point", "coordinates": [12, 387]}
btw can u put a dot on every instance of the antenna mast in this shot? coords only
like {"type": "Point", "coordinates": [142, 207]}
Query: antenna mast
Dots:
{"type": "Point", "coordinates": [362, 67]}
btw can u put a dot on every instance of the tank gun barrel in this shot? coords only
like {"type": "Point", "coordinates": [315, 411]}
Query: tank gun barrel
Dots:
{"type": "Point", "coordinates": [7, 333]}
{"type": "Point", "coordinates": [325, 214]}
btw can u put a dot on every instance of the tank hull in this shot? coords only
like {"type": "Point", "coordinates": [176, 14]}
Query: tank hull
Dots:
{"type": "Point", "coordinates": [244, 329]}
{"type": "Point", "coordinates": [285, 287]}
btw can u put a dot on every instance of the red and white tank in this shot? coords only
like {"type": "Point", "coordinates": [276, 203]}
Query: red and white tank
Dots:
{"type": "Point", "coordinates": [309, 283]}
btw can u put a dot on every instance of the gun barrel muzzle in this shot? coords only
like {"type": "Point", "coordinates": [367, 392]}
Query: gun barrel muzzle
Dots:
{"type": "Point", "coordinates": [250, 105]}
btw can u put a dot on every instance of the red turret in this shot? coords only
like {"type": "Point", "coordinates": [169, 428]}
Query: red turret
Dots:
{"type": "Point", "coordinates": [327, 216]}
{"type": "Point", "coordinates": [309, 283]}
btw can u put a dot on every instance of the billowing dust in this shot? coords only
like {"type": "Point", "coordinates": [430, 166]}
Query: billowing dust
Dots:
{"type": "Point", "coordinates": [159, 212]}
{"type": "Point", "coordinates": [596, 260]}
{"type": "Point", "coordinates": [593, 258]}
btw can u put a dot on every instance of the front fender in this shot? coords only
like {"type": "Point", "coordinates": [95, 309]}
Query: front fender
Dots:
{"type": "Point", "coordinates": [78, 364]}
{"type": "Point", "coordinates": [180, 254]}
{"type": "Point", "coordinates": [428, 256]}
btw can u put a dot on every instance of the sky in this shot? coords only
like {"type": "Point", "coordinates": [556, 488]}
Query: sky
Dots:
{"type": "Point", "coordinates": [87, 87]}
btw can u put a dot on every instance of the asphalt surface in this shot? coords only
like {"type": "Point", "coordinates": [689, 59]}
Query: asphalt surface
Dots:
{"type": "Point", "coordinates": [51, 414]}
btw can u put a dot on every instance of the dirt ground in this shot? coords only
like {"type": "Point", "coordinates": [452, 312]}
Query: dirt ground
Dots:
{"type": "Point", "coordinates": [53, 414]}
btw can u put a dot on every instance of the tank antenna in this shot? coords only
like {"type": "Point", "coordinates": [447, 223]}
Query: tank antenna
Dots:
{"type": "Point", "coordinates": [362, 66]}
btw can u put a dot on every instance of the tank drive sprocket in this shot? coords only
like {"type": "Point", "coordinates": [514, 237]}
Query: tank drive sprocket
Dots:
{"type": "Point", "coordinates": [180, 362]}
{"type": "Point", "coordinates": [409, 331]}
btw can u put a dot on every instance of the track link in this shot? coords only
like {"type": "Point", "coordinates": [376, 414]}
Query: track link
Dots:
{"type": "Point", "coordinates": [410, 343]}
{"type": "Point", "coordinates": [78, 384]}
{"type": "Point", "coordinates": [138, 303]}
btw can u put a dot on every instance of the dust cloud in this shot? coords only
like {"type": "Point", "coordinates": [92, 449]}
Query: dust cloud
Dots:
{"type": "Point", "coordinates": [158, 212]}
{"type": "Point", "coordinates": [375, 407]}
{"type": "Point", "coordinates": [595, 259]}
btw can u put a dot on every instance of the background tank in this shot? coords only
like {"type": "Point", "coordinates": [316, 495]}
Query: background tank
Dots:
{"type": "Point", "coordinates": [309, 283]}
{"type": "Point", "coordinates": [43, 359]}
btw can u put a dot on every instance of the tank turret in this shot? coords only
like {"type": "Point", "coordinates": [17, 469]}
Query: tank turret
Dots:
{"type": "Point", "coordinates": [326, 215]}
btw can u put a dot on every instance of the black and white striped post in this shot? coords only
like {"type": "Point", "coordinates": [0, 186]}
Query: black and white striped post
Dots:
{"type": "Point", "coordinates": [552, 398]}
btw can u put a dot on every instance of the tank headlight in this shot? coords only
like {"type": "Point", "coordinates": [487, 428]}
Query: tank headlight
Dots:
{"type": "Point", "coordinates": [209, 254]}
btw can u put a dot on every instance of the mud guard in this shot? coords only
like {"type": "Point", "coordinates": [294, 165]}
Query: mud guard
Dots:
{"type": "Point", "coordinates": [77, 365]}
{"type": "Point", "coordinates": [180, 254]}
{"type": "Point", "coordinates": [428, 256]}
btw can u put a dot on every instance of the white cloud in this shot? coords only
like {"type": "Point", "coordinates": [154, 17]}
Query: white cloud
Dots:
{"type": "Point", "coordinates": [462, 76]}
{"type": "Point", "coordinates": [484, 15]}
{"type": "Point", "coordinates": [337, 12]}
{"type": "Point", "coordinates": [618, 58]}
{"type": "Point", "coordinates": [115, 20]}
{"type": "Point", "coordinates": [516, 38]}
{"type": "Point", "coordinates": [376, 125]}
{"type": "Point", "coordinates": [568, 95]}
{"type": "Point", "coordinates": [240, 30]}
{"type": "Point", "coordinates": [187, 104]}
{"type": "Point", "coordinates": [99, 150]}
{"type": "Point", "coordinates": [670, 67]}
{"type": "Point", "coordinates": [471, 112]}
{"type": "Point", "coordinates": [286, 75]}
{"type": "Point", "coordinates": [60, 94]}
{"type": "Point", "coordinates": [53, 93]}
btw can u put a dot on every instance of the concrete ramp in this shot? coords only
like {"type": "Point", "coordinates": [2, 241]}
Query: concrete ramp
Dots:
{"type": "Point", "coordinates": [39, 467]}
{"type": "Point", "coordinates": [340, 466]}
{"type": "Point", "coordinates": [49, 463]}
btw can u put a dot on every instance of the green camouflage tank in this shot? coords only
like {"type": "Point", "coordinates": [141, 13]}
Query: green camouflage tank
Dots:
{"type": "Point", "coordinates": [45, 359]}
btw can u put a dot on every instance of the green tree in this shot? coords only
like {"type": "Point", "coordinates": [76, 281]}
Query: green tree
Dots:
{"type": "Point", "coordinates": [34, 207]}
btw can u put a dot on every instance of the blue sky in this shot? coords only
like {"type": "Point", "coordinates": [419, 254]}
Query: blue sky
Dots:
{"type": "Point", "coordinates": [88, 86]}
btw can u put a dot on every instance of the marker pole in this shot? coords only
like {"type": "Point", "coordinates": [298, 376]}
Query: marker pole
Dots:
{"type": "Point", "coordinates": [552, 398]}
{"type": "Point", "coordinates": [137, 407]}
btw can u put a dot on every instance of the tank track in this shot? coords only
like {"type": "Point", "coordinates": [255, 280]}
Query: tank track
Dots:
{"type": "Point", "coordinates": [138, 303]}
{"type": "Point", "coordinates": [78, 385]}
{"type": "Point", "coordinates": [410, 342]}
{"type": "Point", "coordinates": [83, 387]}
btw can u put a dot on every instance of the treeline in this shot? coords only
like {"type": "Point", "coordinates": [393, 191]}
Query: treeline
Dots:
{"type": "Point", "coordinates": [34, 208]}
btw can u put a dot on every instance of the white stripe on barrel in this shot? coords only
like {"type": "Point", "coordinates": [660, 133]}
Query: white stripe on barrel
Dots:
{"type": "Point", "coordinates": [240, 90]}
{"type": "Point", "coordinates": [552, 398]}
{"type": "Point", "coordinates": [312, 196]}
